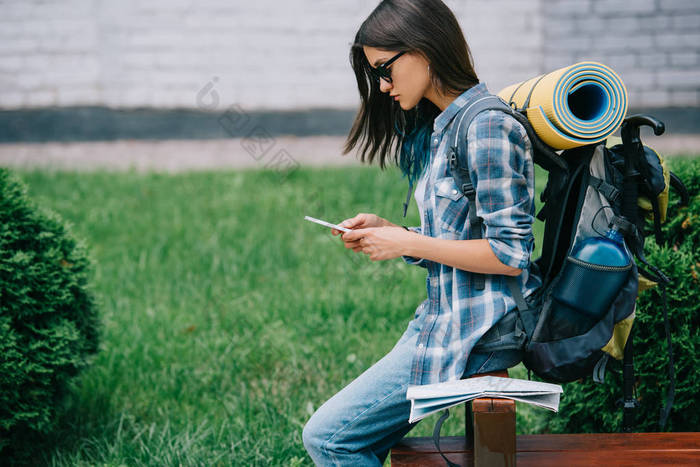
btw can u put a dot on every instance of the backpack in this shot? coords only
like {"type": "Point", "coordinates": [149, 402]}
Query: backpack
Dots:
{"type": "Point", "coordinates": [588, 189]}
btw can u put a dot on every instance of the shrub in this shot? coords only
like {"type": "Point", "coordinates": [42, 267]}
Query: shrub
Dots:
{"type": "Point", "coordinates": [590, 407]}
{"type": "Point", "coordinates": [48, 318]}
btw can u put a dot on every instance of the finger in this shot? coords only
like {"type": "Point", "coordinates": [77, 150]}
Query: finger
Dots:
{"type": "Point", "coordinates": [348, 223]}
{"type": "Point", "coordinates": [350, 237]}
{"type": "Point", "coordinates": [354, 222]}
{"type": "Point", "coordinates": [354, 235]}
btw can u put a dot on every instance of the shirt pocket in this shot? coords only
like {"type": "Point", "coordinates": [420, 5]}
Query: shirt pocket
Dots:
{"type": "Point", "coordinates": [451, 207]}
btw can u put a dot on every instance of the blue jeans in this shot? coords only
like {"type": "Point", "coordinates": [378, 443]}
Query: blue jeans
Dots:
{"type": "Point", "coordinates": [359, 425]}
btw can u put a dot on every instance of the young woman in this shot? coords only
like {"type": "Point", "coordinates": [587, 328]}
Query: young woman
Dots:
{"type": "Point", "coordinates": [415, 75]}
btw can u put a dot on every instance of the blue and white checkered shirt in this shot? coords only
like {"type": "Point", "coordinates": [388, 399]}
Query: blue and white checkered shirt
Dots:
{"type": "Point", "coordinates": [455, 315]}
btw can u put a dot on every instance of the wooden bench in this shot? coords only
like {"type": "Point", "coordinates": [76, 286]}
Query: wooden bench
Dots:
{"type": "Point", "coordinates": [491, 441]}
{"type": "Point", "coordinates": [572, 450]}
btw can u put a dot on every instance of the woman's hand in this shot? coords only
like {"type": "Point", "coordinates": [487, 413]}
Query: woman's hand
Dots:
{"type": "Point", "coordinates": [363, 221]}
{"type": "Point", "coordinates": [379, 243]}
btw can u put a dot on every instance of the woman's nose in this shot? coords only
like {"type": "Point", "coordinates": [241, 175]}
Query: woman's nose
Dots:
{"type": "Point", "coordinates": [384, 85]}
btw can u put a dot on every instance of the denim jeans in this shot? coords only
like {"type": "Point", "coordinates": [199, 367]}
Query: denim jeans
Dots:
{"type": "Point", "coordinates": [359, 425]}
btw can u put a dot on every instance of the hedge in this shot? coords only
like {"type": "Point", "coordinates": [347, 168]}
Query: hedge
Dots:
{"type": "Point", "coordinates": [48, 319]}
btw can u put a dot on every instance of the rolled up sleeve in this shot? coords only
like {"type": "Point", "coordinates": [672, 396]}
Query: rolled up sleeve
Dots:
{"type": "Point", "coordinates": [501, 169]}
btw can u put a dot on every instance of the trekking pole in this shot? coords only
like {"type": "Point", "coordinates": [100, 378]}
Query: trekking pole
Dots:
{"type": "Point", "coordinates": [633, 152]}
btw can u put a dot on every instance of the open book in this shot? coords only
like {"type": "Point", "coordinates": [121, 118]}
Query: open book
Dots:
{"type": "Point", "coordinates": [430, 398]}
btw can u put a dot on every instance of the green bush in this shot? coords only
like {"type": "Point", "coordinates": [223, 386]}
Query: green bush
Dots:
{"type": "Point", "coordinates": [48, 319]}
{"type": "Point", "coordinates": [590, 407]}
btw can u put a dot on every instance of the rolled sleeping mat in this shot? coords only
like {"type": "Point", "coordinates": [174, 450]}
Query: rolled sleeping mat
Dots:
{"type": "Point", "coordinates": [573, 106]}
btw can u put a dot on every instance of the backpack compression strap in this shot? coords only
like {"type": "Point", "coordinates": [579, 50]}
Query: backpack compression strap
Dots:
{"type": "Point", "coordinates": [436, 437]}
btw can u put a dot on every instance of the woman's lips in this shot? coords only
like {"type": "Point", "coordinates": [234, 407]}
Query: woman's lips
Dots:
{"type": "Point", "coordinates": [396, 97]}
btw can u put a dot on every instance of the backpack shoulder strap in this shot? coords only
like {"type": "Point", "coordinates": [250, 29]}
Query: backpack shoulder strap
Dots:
{"type": "Point", "coordinates": [458, 130]}
{"type": "Point", "coordinates": [459, 164]}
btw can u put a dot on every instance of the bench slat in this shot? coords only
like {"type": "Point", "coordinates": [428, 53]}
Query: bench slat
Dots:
{"type": "Point", "coordinates": [611, 441]}
{"type": "Point", "coordinates": [619, 449]}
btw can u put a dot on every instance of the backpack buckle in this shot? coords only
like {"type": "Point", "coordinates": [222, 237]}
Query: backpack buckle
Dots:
{"type": "Point", "coordinates": [625, 226]}
{"type": "Point", "coordinates": [468, 190]}
{"type": "Point", "coordinates": [452, 158]}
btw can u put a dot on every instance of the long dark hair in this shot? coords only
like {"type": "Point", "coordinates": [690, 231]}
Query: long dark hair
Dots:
{"type": "Point", "coordinates": [381, 126]}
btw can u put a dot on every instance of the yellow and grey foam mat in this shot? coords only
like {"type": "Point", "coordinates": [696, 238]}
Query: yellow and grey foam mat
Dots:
{"type": "Point", "coordinates": [573, 106]}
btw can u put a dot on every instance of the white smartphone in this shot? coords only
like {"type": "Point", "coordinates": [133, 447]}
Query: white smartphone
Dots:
{"type": "Point", "coordinates": [327, 224]}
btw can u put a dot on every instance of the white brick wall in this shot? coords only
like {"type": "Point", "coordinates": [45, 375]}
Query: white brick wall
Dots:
{"type": "Point", "coordinates": [506, 49]}
{"type": "Point", "coordinates": [292, 55]}
{"type": "Point", "coordinates": [653, 44]}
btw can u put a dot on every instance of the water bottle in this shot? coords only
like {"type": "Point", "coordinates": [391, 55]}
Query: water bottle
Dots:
{"type": "Point", "coordinates": [603, 251]}
{"type": "Point", "coordinates": [591, 278]}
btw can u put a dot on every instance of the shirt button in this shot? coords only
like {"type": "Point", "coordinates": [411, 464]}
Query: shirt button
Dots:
{"type": "Point", "coordinates": [420, 346]}
{"type": "Point", "coordinates": [454, 192]}
{"type": "Point", "coordinates": [435, 141]}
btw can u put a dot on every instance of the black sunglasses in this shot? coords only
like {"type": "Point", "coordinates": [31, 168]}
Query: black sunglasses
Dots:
{"type": "Point", "coordinates": [383, 71]}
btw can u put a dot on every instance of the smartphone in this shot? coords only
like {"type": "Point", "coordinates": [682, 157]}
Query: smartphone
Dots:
{"type": "Point", "coordinates": [327, 224]}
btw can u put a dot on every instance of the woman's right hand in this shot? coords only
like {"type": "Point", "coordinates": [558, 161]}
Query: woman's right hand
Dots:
{"type": "Point", "coordinates": [362, 221]}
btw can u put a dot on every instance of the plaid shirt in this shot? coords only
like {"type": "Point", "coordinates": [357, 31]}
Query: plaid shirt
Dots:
{"type": "Point", "coordinates": [455, 315]}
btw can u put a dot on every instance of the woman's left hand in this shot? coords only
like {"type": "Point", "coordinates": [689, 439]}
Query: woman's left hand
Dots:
{"type": "Point", "coordinates": [379, 243]}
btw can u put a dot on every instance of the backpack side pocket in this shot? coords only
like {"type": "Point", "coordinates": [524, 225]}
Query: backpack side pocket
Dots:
{"type": "Point", "coordinates": [583, 294]}
{"type": "Point", "coordinates": [557, 357]}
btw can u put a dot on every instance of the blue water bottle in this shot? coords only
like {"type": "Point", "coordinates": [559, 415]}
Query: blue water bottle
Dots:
{"type": "Point", "coordinates": [592, 277]}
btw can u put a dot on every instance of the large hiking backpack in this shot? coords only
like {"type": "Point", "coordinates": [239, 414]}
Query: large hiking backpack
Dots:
{"type": "Point", "coordinates": [588, 189]}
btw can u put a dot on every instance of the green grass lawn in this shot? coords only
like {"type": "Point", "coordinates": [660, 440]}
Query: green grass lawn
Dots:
{"type": "Point", "coordinates": [228, 319]}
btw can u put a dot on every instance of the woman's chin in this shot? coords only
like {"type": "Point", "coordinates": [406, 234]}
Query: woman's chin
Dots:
{"type": "Point", "coordinates": [405, 105]}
